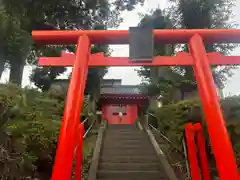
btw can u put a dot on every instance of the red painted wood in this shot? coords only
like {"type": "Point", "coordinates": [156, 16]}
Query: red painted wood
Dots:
{"type": "Point", "coordinates": [124, 99]}
{"type": "Point", "coordinates": [132, 113]}
{"type": "Point", "coordinates": [68, 134]}
{"type": "Point", "coordinates": [97, 60]}
{"type": "Point", "coordinates": [167, 36]}
{"type": "Point", "coordinates": [220, 140]}
{"type": "Point", "coordinates": [205, 172]}
{"type": "Point", "coordinates": [129, 118]}
{"type": "Point", "coordinates": [192, 152]}
{"type": "Point", "coordinates": [197, 149]}
{"type": "Point", "coordinates": [79, 153]}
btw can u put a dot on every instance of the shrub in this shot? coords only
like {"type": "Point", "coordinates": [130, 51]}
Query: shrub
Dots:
{"type": "Point", "coordinates": [173, 117]}
{"type": "Point", "coordinates": [30, 123]}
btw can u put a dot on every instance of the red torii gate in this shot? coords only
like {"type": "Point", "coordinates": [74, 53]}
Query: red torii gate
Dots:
{"type": "Point", "coordinates": [198, 58]}
{"type": "Point", "coordinates": [98, 60]}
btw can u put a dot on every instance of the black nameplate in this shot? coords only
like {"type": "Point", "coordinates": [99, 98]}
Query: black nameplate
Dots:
{"type": "Point", "coordinates": [141, 44]}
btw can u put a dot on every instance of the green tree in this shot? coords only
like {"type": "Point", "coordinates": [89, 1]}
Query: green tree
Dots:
{"type": "Point", "coordinates": [194, 14]}
{"type": "Point", "coordinates": [18, 46]}
{"type": "Point", "coordinates": [14, 43]}
{"type": "Point", "coordinates": [3, 31]}
{"type": "Point", "coordinates": [61, 15]}
{"type": "Point", "coordinates": [96, 74]}
{"type": "Point", "coordinates": [42, 77]}
{"type": "Point", "coordinates": [204, 14]}
{"type": "Point", "coordinates": [155, 81]}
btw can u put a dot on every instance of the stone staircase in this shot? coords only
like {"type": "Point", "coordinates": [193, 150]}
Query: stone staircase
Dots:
{"type": "Point", "coordinates": [127, 154]}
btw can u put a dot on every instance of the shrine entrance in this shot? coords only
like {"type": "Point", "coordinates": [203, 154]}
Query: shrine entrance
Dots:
{"type": "Point", "coordinates": [141, 43]}
{"type": "Point", "coordinates": [121, 108]}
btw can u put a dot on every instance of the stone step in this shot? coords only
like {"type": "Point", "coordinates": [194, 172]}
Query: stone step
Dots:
{"type": "Point", "coordinates": [133, 175]}
{"type": "Point", "coordinates": [127, 152]}
{"type": "Point", "coordinates": [129, 166]}
{"type": "Point", "coordinates": [123, 132]}
{"type": "Point", "coordinates": [125, 146]}
{"type": "Point", "coordinates": [130, 178]}
{"type": "Point", "coordinates": [126, 142]}
{"type": "Point", "coordinates": [122, 138]}
{"type": "Point", "coordinates": [125, 136]}
{"type": "Point", "coordinates": [125, 139]}
{"type": "Point", "coordinates": [122, 126]}
{"type": "Point", "coordinates": [129, 159]}
{"type": "Point", "coordinates": [122, 148]}
{"type": "Point", "coordinates": [124, 129]}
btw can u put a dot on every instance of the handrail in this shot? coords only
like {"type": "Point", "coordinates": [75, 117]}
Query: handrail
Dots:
{"type": "Point", "coordinates": [78, 152]}
{"type": "Point", "coordinates": [78, 149]}
{"type": "Point", "coordinates": [163, 136]}
{"type": "Point", "coordinates": [184, 153]}
{"type": "Point", "coordinates": [89, 128]}
{"type": "Point", "coordinates": [153, 115]}
{"type": "Point", "coordinates": [84, 120]}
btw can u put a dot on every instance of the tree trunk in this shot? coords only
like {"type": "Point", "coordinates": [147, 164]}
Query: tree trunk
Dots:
{"type": "Point", "coordinates": [16, 72]}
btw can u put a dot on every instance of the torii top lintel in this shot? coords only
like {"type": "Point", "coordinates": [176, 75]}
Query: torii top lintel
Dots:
{"type": "Point", "coordinates": [169, 36]}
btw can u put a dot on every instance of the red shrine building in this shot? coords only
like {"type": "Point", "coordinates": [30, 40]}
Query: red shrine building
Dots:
{"type": "Point", "coordinates": [120, 104]}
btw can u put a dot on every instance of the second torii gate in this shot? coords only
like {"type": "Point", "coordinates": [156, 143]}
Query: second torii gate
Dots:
{"type": "Point", "coordinates": [198, 58]}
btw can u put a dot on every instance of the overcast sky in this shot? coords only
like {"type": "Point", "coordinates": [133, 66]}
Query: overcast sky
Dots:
{"type": "Point", "coordinates": [128, 74]}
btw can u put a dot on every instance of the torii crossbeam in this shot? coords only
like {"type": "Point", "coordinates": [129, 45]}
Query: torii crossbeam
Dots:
{"type": "Point", "coordinates": [198, 58]}
{"type": "Point", "coordinates": [98, 60]}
